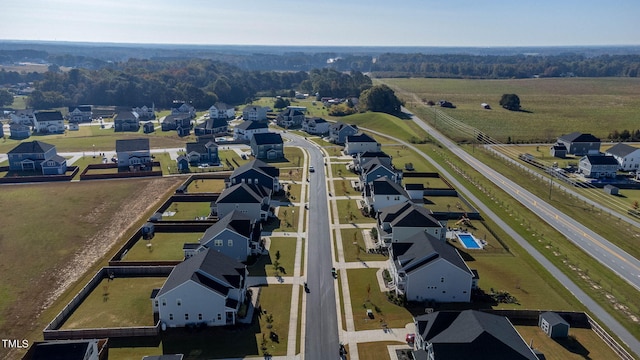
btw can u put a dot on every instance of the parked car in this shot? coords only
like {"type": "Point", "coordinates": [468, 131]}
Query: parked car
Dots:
{"type": "Point", "coordinates": [311, 169]}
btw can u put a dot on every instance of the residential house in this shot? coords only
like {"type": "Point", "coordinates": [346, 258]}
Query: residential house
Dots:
{"type": "Point", "coordinates": [182, 163]}
{"type": "Point", "coordinates": [245, 130]}
{"type": "Point", "coordinates": [290, 118]}
{"type": "Point", "coordinates": [221, 110]}
{"type": "Point", "coordinates": [37, 156]}
{"type": "Point", "coordinates": [73, 126]}
{"type": "Point", "coordinates": [254, 113]}
{"type": "Point", "coordinates": [628, 157]}
{"type": "Point", "coordinates": [469, 335]}
{"type": "Point", "coordinates": [234, 235]}
{"type": "Point", "coordinates": [133, 152]}
{"type": "Point", "coordinates": [559, 150]}
{"type": "Point", "coordinates": [178, 122]}
{"type": "Point", "coordinates": [598, 166]}
{"type": "Point", "coordinates": [377, 168]}
{"type": "Point", "coordinates": [23, 117]}
{"type": "Point", "coordinates": [48, 122]}
{"type": "Point", "coordinates": [424, 268]}
{"type": "Point", "coordinates": [249, 199]}
{"type": "Point", "coordinates": [202, 152]}
{"type": "Point", "coordinates": [80, 114]}
{"type": "Point", "coordinates": [19, 131]}
{"type": "Point", "coordinates": [257, 172]}
{"type": "Point", "coordinates": [95, 349]}
{"type": "Point", "coordinates": [339, 131]}
{"type": "Point", "coordinates": [182, 108]}
{"type": "Point", "coordinates": [212, 126]}
{"type": "Point", "coordinates": [383, 192]}
{"type": "Point", "coordinates": [126, 121]}
{"type": "Point", "coordinates": [267, 146]}
{"type": "Point", "coordinates": [364, 157]}
{"type": "Point", "coordinates": [553, 325]}
{"type": "Point", "coordinates": [396, 223]}
{"type": "Point", "coordinates": [148, 127]}
{"type": "Point", "coordinates": [207, 288]}
{"type": "Point", "coordinates": [145, 112]}
{"type": "Point", "coordinates": [315, 125]}
{"type": "Point", "coordinates": [580, 144]}
{"type": "Point", "coordinates": [360, 143]}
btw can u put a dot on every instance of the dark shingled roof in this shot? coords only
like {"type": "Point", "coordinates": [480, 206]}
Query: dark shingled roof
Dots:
{"type": "Point", "coordinates": [243, 193]}
{"type": "Point", "coordinates": [234, 221]}
{"type": "Point", "coordinates": [362, 137]}
{"type": "Point", "coordinates": [132, 144]}
{"type": "Point", "coordinates": [252, 125]}
{"type": "Point", "coordinates": [32, 147]}
{"type": "Point", "coordinates": [553, 318]}
{"type": "Point", "coordinates": [422, 248]}
{"type": "Point", "coordinates": [267, 138]}
{"type": "Point", "coordinates": [579, 137]}
{"type": "Point", "coordinates": [210, 269]}
{"type": "Point", "coordinates": [621, 149]}
{"type": "Point", "coordinates": [61, 350]}
{"type": "Point", "coordinates": [601, 160]}
{"type": "Point", "coordinates": [49, 116]}
{"type": "Point", "coordinates": [258, 165]}
{"type": "Point", "coordinates": [373, 164]}
{"type": "Point", "coordinates": [384, 186]}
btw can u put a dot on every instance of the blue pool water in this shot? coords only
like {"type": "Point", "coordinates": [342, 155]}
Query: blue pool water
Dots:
{"type": "Point", "coordinates": [469, 241]}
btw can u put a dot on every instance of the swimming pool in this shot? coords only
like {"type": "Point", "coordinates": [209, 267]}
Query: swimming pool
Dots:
{"type": "Point", "coordinates": [469, 241]}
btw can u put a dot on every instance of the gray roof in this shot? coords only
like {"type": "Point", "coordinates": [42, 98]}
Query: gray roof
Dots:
{"type": "Point", "coordinates": [83, 108]}
{"type": "Point", "coordinates": [362, 137]}
{"type": "Point", "coordinates": [234, 221]}
{"type": "Point", "coordinates": [125, 145]}
{"type": "Point", "coordinates": [32, 147]}
{"type": "Point", "coordinates": [579, 137]}
{"type": "Point", "coordinates": [267, 138]}
{"type": "Point", "coordinates": [413, 215]}
{"type": "Point", "coordinates": [258, 165]}
{"type": "Point", "coordinates": [375, 163]}
{"type": "Point", "coordinates": [384, 186]}
{"type": "Point", "coordinates": [200, 147]}
{"type": "Point", "coordinates": [126, 115]}
{"type": "Point", "coordinates": [210, 269]}
{"type": "Point", "coordinates": [49, 116]}
{"type": "Point", "coordinates": [421, 249]}
{"type": "Point", "coordinates": [316, 120]}
{"type": "Point", "coordinates": [600, 160]}
{"type": "Point", "coordinates": [621, 149]}
{"type": "Point", "coordinates": [243, 193]}
{"type": "Point", "coordinates": [553, 318]}
{"type": "Point", "coordinates": [373, 154]}
{"type": "Point", "coordinates": [252, 125]}
{"type": "Point", "coordinates": [340, 125]}
{"type": "Point", "coordinates": [473, 334]}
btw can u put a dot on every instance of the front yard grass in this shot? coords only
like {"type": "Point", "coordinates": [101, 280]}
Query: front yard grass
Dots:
{"type": "Point", "coordinates": [264, 265]}
{"type": "Point", "coordinates": [286, 221]}
{"type": "Point", "coordinates": [357, 252]}
{"type": "Point", "coordinates": [120, 302]}
{"type": "Point", "coordinates": [348, 212]}
{"type": "Point", "coordinates": [344, 188]}
{"type": "Point", "coordinates": [275, 302]}
{"type": "Point", "coordinates": [376, 350]}
{"type": "Point", "coordinates": [164, 246]}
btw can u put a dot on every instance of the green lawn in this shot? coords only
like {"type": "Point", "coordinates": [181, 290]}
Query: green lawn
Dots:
{"type": "Point", "coordinates": [164, 246]}
{"type": "Point", "coordinates": [276, 301]}
{"type": "Point", "coordinates": [206, 186]}
{"type": "Point", "coordinates": [348, 212]}
{"type": "Point", "coordinates": [581, 344]}
{"type": "Point", "coordinates": [357, 253]}
{"type": "Point", "coordinates": [429, 183]}
{"type": "Point", "coordinates": [445, 203]}
{"type": "Point", "coordinates": [121, 302]}
{"type": "Point", "coordinates": [344, 188]}
{"type": "Point", "coordinates": [264, 265]}
{"type": "Point", "coordinates": [188, 210]}
{"type": "Point", "coordinates": [401, 156]}
{"type": "Point", "coordinates": [287, 220]}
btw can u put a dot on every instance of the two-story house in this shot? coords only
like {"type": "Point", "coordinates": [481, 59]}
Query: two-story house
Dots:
{"type": "Point", "coordinates": [628, 157]}
{"type": "Point", "coordinates": [383, 192]}
{"type": "Point", "coordinates": [37, 156]}
{"type": "Point", "coordinates": [364, 157]}
{"type": "Point", "coordinates": [290, 118]}
{"type": "Point", "coordinates": [398, 222]}
{"type": "Point", "coordinates": [378, 168]}
{"type": "Point", "coordinates": [179, 122]}
{"type": "Point", "coordinates": [133, 152]}
{"type": "Point", "coordinates": [580, 144]}
{"type": "Point", "coordinates": [245, 130]}
{"type": "Point", "coordinates": [212, 126]}
{"type": "Point", "coordinates": [257, 172]}
{"type": "Point", "coordinates": [339, 131]}
{"type": "Point", "coordinates": [249, 199]}
{"type": "Point", "coordinates": [126, 121]}
{"type": "Point", "coordinates": [80, 114]}
{"type": "Point", "coordinates": [182, 108]}
{"type": "Point", "coordinates": [360, 143]}
{"type": "Point", "coordinates": [267, 146]}
{"type": "Point", "coordinates": [221, 110]}
{"type": "Point", "coordinates": [254, 113]}
{"type": "Point", "coordinates": [315, 125]}
{"type": "Point", "coordinates": [207, 288]}
{"type": "Point", "coordinates": [48, 122]}
{"type": "Point", "coordinates": [145, 112]}
{"type": "Point", "coordinates": [23, 117]}
{"type": "Point", "coordinates": [598, 166]}
{"type": "Point", "coordinates": [19, 131]}
{"type": "Point", "coordinates": [202, 152]}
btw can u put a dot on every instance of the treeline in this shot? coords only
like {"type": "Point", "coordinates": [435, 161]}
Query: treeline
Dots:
{"type": "Point", "coordinates": [201, 82]}
{"type": "Point", "coordinates": [624, 135]}
{"type": "Point", "coordinates": [500, 67]}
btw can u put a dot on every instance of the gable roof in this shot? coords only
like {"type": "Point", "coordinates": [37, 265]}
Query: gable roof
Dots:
{"type": "Point", "coordinates": [49, 116]}
{"type": "Point", "coordinates": [268, 138]}
{"type": "Point", "coordinates": [621, 149]}
{"type": "Point", "coordinates": [61, 350]}
{"type": "Point", "coordinates": [83, 108]}
{"type": "Point", "coordinates": [579, 137]}
{"type": "Point", "coordinates": [420, 249]}
{"type": "Point", "coordinates": [32, 147]}
{"type": "Point", "coordinates": [414, 216]}
{"type": "Point", "coordinates": [200, 147]}
{"type": "Point", "coordinates": [340, 125]}
{"type": "Point", "coordinates": [600, 160]}
{"type": "Point", "coordinates": [126, 115]}
{"type": "Point", "coordinates": [258, 165]}
{"type": "Point", "coordinates": [211, 269]}
{"type": "Point", "coordinates": [125, 145]}
{"type": "Point", "coordinates": [373, 154]}
{"type": "Point", "coordinates": [316, 120]}
{"type": "Point", "coordinates": [252, 125]}
{"type": "Point", "coordinates": [362, 137]}
{"type": "Point", "coordinates": [375, 163]}
{"type": "Point", "coordinates": [235, 221]}
{"type": "Point", "coordinates": [384, 186]}
{"type": "Point", "coordinates": [243, 193]}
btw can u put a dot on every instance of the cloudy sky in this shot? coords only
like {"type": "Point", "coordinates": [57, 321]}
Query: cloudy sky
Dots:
{"type": "Point", "coordinates": [327, 22]}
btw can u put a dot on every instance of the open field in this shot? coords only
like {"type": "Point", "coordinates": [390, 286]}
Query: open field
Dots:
{"type": "Point", "coordinates": [163, 246]}
{"type": "Point", "coordinates": [553, 106]}
{"type": "Point", "coordinates": [85, 221]}
{"type": "Point", "coordinates": [120, 302]}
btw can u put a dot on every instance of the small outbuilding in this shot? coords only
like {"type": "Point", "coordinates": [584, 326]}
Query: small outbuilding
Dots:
{"type": "Point", "coordinates": [611, 190]}
{"type": "Point", "coordinates": [553, 325]}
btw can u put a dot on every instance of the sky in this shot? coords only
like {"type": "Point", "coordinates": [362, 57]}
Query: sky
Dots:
{"type": "Point", "coordinates": [488, 23]}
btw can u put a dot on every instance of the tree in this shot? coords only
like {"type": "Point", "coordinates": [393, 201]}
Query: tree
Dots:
{"type": "Point", "coordinates": [510, 102]}
{"type": "Point", "coordinates": [6, 98]}
{"type": "Point", "coordinates": [281, 103]}
{"type": "Point", "coordinates": [380, 98]}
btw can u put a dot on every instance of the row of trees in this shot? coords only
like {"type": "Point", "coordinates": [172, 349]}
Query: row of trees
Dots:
{"type": "Point", "coordinates": [624, 135]}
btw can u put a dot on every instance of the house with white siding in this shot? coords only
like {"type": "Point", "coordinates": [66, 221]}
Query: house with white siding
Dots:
{"type": "Point", "coordinates": [133, 152]}
{"type": "Point", "coordinates": [628, 157]}
{"type": "Point", "coordinates": [396, 223]}
{"type": "Point", "coordinates": [360, 143]}
{"type": "Point", "coordinates": [383, 192]}
{"type": "Point", "coordinates": [315, 125]}
{"type": "Point", "coordinates": [254, 113]}
{"type": "Point", "coordinates": [245, 130]}
{"type": "Point", "coordinates": [249, 199]}
{"type": "Point", "coordinates": [48, 122]}
{"type": "Point", "coordinates": [221, 110]}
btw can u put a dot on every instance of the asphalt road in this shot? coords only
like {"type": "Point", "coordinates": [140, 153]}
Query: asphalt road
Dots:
{"type": "Point", "coordinates": [321, 339]}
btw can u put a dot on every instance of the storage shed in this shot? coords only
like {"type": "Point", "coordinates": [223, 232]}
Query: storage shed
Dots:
{"type": "Point", "coordinates": [611, 190]}
{"type": "Point", "coordinates": [553, 325]}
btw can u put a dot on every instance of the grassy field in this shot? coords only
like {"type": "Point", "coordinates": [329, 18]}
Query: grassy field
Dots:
{"type": "Point", "coordinates": [114, 303]}
{"type": "Point", "coordinates": [553, 106]}
{"type": "Point", "coordinates": [375, 350]}
{"type": "Point", "coordinates": [164, 246]}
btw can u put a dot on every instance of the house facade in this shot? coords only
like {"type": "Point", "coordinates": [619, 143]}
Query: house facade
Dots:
{"type": "Point", "coordinates": [23, 117]}
{"type": "Point", "coordinates": [558, 150]}
{"type": "Point", "coordinates": [212, 126]}
{"type": "Point", "coordinates": [598, 166]}
{"type": "Point", "coordinates": [290, 118]}
{"type": "Point", "coordinates": [221, 110]}
{"type": "Point", "coordinates": [315, 125]}
{"type": "Point", "coordinates": [580, 144]}
{"type": "Point", "coordinates": [257, 172]}
{"type": "Point", "coordinates": [37, 156]}
{"type": "Point", "coordinates": [267, 146]}
{"type": "Point", "coordinates": [182, 108]}
{"type": "Point", "coordinates": [19, 131]}
{"type": "Point", "coordinates": [80, 114]}
{"type": "Point", "coordinates": [48, 122]}
{"type": "Point", "coordinates": [339, 131]}
{"type": "Point", "coordinates": [233, 235]}
{"type": "Point", "coordinates": [378, 168]}
{"type": "Point", "coordinates": [628, 157]}
{"type": "Point", "coordinates": [179, 122]}
{"type": "Point", "coordinates": [254, 113]}
{"type": "Point", "coordinates": [145, 112]}
{"type": "Point", "coordinates": [424, 268]}
{"type": "Point", "coordinates": [399, 222]}
{"type": "Point", "coordinates": [133, 152]}
{"type": "Point", "coordinates": [383, 192]}
{"type": "Point", "coordinates": [207, 288]}
{"type": "Point", "coordinates": [202, 152]}
{"type": "Point", "coordinates": [126, 121]}
{"type": "Point", "coordinates": [245, 130]}
{"type": "Point", "coordinates": [250, 200]}
{"type": "Point", "coordinates": [148, 127]}
{"type": "Point", "coordinates": [360, 143]}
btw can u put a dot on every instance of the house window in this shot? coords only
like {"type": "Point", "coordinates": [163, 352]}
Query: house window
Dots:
{"type": "Point", "coordinates": [441, 279]}
{"type": "Point", "coordinates": [186, 316]}
{"type": "Point", "coordinates": [230, 242]}
{"type": "Point", "coordinates": [179, 302]}
{"type": "Point", "coordinates": [219, 317]}
{"type": "Point", "coordinates": [170, 316]}
{"type": "Point", "coordinates": [156, 303]}
{"type": "Point", "coordinates": [199, 317]}
{"type": "Point", "coordinates": [217, 242]}
{"type": "Point", "coordinates": [164, 302]}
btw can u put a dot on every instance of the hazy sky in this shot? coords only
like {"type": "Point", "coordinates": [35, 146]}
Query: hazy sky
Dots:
{"type": "Point", "coordinates": [326, 22]}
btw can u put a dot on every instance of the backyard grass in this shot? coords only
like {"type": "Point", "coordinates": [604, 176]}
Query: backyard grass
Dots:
{"type": "Point", "coordinates": [445, 203]}
{"type": "Point", "coordinates": [293, 159]}
{"type": "Point", "coordinates": [402, 156]}
{"type": "Point", "coordinates": [187, 210]}
{"type": "Point", "coordinates": [206, 186]}
{"type": "Point", "coordinates": [428, 183]}
{"type": "Point", "coordinates": [120, 302]}
{"type": "Point", "coordinates": [386, 124]}
{"type": "Point", "coordinates": [352, 252]}
{"type": "Point", "coordinates": [348, 212]}
{"type": "Point", "coordinates": [581, 344]}
{"type": "Point", "coordinates": [164, 246]}
{"type": "Point", "coordinates": [366, 294]}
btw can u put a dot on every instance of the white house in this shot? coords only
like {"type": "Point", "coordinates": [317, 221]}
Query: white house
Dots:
{"type": "Point", "coordinates": [628, 157]}
{"type": "Point", "coordinates": [377, 168]}
{"type": "Point", "coordinates": [133, 152]}
{"type": "Point", "coordinates": [207, 288]}
{"type": "Point", "coordinates": [249, 199]}
{"type": "Point", "coordinates": [399, 222]}
{"type": "Point", "coordinates": [315, 125]}
{"type": "Point", "coordinates": [245, 130]}
{"type": "Point", "coordinates": [234, 235]}
{"type": "Point", "coordinates": [221, 110]}
{"type": "Point", "coordinates": [360, 143]}
{"type": "Point", "coordinates": [424, 268]}
{"type": "Point", "coordinates": [254, 113]}
{"type": "Point", "coordinates": [22, 117]}
{"type": "Point", "coordinates": [383, 192]}
{"type": "Point", "coordinates": [182, 108]}
{"type": "Point", "coordinates": [48, 122]}
{"type": "Point", "coordinates": [339, 131]}
{"type": "Point", "coordinates": [79, 114]}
